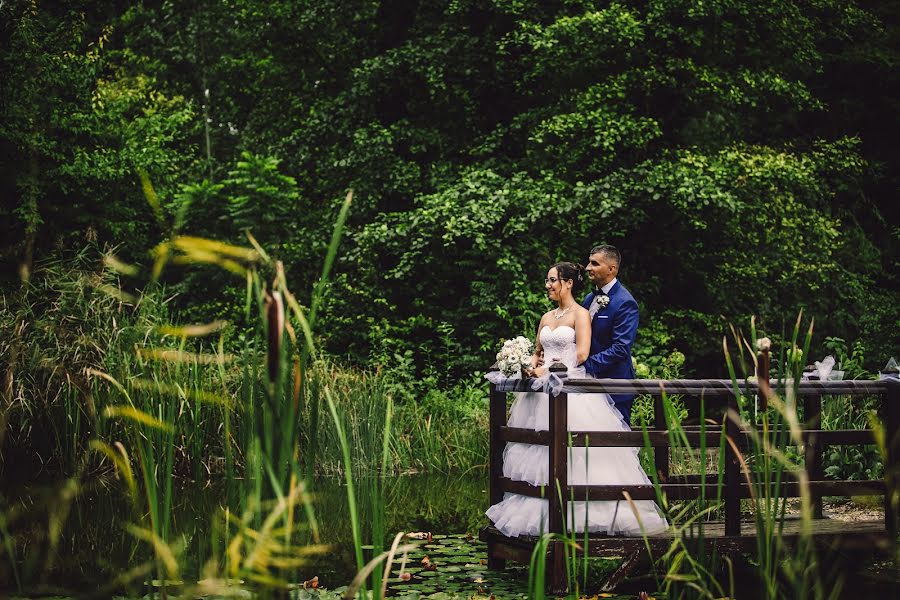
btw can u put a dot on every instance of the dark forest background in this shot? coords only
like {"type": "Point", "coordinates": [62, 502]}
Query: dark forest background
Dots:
{"type": "Point", "coordinates": [741, 153]}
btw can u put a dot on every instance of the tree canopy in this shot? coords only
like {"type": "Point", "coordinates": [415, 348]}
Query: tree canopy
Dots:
{"type": "Point", "coordinates": [738, 152]}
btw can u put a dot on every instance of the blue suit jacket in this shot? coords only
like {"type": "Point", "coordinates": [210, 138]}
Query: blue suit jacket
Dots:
{"type": "Point", "coordinates": [613, 330]}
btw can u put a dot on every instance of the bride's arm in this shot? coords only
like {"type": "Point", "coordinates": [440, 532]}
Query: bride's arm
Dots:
{"type": "Point", "coordinates": [582, 335]}
{"type": "Point", "coordinates": [538, 357]}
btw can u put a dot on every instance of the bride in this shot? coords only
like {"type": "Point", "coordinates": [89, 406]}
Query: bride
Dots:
{"type": "Point", "coordinates": [564, 335]}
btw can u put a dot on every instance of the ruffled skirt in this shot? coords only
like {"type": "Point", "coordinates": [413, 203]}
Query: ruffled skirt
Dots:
{"type": "Point", "coordinates": [519, 515]}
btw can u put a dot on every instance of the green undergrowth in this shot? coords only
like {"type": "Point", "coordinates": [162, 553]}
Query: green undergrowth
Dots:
{"type": "Point", "coordinates": [73, 321]}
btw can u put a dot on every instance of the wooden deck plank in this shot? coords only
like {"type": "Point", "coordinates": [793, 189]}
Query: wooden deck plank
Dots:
{"type": "Point", "coordinates": [832, 532]}
{"type": "Point", "coordinates": [714, 529]}
{"type": "Point", "coordinates": [684, 489]}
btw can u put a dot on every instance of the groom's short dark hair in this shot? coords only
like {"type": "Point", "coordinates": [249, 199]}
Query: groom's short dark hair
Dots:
{"type": "Point", "coordinates": [610, 253]}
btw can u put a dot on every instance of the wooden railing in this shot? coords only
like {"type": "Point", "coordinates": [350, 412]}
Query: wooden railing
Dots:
{"type": "Point", "coordinates": [734, 484]}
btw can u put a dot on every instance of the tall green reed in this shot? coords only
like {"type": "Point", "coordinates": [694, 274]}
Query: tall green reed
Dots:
{"type": "Point", "coordinates": [158, 403]}
{"type": "Point", "coordinates": [689, 568]}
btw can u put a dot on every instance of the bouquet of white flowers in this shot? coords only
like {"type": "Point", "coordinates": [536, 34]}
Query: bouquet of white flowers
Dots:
{"type": "Point", "coordinates": [514, 355]}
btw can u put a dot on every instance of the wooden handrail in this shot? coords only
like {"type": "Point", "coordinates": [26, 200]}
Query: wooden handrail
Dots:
{"type": "Point", "coordinates": [660, 438]}
{"type": "Point", "coordinates": [735, 486]}
{"type": "Point", "coordinates": [709, 388]}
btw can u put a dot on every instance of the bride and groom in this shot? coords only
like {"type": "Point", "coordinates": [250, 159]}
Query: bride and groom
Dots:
{"type": "Point", "coordinates": [592, 339]}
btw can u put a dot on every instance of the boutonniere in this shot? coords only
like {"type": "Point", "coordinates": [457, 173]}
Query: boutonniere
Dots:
{"type": "Point", "coordinates": [602, 301]}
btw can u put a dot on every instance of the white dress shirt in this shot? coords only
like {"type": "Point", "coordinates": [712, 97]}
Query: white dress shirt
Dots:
{"type": "Point", "coordinates": [605, 289]}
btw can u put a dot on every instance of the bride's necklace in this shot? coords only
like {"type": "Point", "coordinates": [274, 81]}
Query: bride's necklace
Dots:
{"type": "Point", "coordinates": [559, 315]}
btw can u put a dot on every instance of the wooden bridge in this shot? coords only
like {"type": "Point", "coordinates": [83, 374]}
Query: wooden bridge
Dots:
{"type": "Point", "coordinates": [728, 535]}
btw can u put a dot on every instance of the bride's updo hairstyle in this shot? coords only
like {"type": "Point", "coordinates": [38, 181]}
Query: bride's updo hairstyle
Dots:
{"type": "Point", "coordinates": [571, 271]}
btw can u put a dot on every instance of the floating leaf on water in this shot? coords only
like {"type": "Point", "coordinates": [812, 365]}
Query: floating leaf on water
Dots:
{"type": "Point", "coordinates": [457, 552]}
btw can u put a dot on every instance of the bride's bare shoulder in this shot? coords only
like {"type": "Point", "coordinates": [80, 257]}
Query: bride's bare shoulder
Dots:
{"type": "Point", "coordinates": [545, 318]}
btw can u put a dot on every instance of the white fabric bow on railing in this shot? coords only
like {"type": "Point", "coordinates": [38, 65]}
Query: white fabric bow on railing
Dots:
{"type": "Point", "coordinates": [552, 382]}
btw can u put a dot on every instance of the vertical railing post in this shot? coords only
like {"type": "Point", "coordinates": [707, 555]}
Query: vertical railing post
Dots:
{"type": "Point", "coordinates": [497, 418]}
{"type": "Point", "coordinates": [812, 454]}
{"type": "Point", "coordinates": [732, 475]}
{"type": "Point", "coordinates": [892, 441]}
{"type": "Point", "coordinates": [660, 453]}
{"type": "Point", "coordinates": [557, 476]}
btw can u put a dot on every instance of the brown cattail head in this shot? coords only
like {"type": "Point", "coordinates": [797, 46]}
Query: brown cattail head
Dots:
{"type": "Point", "coordinates": [275, 323]}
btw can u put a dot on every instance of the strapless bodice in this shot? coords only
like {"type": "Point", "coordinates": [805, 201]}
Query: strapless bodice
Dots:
{"type": "Point", "coordinates": [559, 346]}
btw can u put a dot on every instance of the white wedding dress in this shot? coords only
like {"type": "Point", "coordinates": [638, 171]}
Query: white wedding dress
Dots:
{"type": "Point", "coordinates": [519, 515]}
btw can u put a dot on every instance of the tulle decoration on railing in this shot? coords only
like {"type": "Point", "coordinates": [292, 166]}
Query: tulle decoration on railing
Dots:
{"type": "Point", "coordinates": [552, 383]}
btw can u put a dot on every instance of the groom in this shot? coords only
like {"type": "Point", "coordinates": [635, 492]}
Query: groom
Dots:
{"type": "Point", "coordinates": [614, 323]}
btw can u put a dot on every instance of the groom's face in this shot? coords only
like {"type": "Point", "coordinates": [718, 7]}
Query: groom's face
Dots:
{"type": "Point", "coordinates": [599, 270]}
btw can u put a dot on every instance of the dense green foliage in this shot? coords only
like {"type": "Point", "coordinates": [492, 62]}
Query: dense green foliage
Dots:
{"type": "Point", "coordinates": [75, 325]}
{"type": "Point", "coordinates": [740, 152]}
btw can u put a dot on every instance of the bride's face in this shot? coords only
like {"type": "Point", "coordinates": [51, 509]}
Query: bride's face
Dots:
{"type": "Point", "coordinates": [555, 286]}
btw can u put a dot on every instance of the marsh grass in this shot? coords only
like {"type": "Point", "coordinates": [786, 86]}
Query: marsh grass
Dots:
{"type": "Point", "coordinates": [158, 405]}
{"type": "Point", "coordinates": [783, 569]}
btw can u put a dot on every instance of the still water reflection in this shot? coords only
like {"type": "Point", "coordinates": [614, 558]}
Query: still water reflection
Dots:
{"type": "Point", "coordinates": [96, 547]}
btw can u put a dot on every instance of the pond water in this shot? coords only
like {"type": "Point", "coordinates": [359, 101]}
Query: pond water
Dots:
{"type": "Point", "coordinates": [96, 548]}
{"type": "Point", "coordinates": [439, 504]}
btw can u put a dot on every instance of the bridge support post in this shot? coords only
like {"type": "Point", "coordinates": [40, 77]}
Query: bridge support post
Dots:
{"type": "Point", "coordinates": [812, 417]}
{"type": "Point", "coordinates": [891, 466]}
{"type": "Point", "coordinates": [732, 470]}
{"type": "Point", "coordinates": [558, 476]}
{"type": "Point", "coordinates": [497, 418]}
{"type": "Point", "coordinates": [660, 454]}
